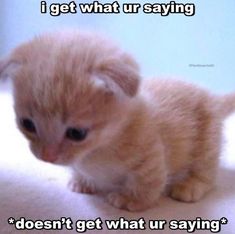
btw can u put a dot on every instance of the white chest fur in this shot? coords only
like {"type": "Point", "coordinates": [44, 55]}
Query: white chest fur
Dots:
{"type": "Point", "coordinates": [106, 173]}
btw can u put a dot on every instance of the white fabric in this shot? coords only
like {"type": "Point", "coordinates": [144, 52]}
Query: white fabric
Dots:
{"type": "Point", "coordinates": [36, 190]}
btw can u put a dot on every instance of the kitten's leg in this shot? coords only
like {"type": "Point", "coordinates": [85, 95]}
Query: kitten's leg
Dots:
{"type": "Point", "coordinates": [142, 190]}
{"type": "Point", "coordinates": [203, 171]}
{"type": "Point", "coordinates": [136, 200]}
{"type": "Point", "coordinates": [80, 184]}
{"type": "Point", "coordinates": [194, 187]}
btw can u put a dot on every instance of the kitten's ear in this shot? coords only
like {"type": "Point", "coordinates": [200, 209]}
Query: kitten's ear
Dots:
{"type": "Point", "coordinates": [120, 73]}
{"type": "Point", "coordinates": [7, 67]}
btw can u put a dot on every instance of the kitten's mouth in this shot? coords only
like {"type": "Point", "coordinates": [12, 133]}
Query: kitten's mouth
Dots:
{"type": "Point", "coordinates": [49, 159]}
{"type": "Point", "coordinates": [55, 159]}
{"type": "Point", "coordinates": [49, 154]}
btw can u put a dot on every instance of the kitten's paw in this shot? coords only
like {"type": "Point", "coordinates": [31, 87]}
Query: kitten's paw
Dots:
{"type": "Point", "coordinates": [190, 190]}
{"type": "Point", "coordinates": [121, 201]}
{"type": "Point", "coordinates": [81, 186]}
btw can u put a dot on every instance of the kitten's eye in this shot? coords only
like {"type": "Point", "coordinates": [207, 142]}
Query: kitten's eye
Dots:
{"type": "Point", "coordinates": [28, 125]}
{"type": "Point", "coordinates": [76, 134]}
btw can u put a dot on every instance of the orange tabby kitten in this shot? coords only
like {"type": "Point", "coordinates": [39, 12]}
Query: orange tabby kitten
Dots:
{"type": "Point", "coordinates": [79, 101]}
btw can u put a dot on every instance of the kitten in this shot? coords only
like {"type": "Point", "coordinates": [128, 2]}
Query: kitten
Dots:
{"type": "Point", "coordinates": [80, 103]}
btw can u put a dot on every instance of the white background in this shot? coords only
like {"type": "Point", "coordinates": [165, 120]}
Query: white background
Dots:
{"type": "Point", "coordinates": [164, 46]}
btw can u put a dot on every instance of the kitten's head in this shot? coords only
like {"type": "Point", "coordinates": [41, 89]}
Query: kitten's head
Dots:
{"type": "Point", "coordinates": [72, 93]}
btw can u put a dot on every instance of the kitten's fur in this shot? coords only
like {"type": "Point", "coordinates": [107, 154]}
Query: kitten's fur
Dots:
{"type": "Point", "coordinates": [138, 139]}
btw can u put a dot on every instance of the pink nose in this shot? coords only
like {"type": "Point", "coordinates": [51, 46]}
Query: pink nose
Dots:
{"type": "Point", "coordinates": [49, 154]}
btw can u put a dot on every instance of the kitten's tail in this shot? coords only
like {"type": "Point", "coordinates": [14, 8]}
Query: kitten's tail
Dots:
{"type": "Point", "coordinates": [227, 104]}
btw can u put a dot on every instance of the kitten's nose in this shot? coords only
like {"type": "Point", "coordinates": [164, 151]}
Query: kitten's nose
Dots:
{"type": "Point", "coordinates": [49, 154]}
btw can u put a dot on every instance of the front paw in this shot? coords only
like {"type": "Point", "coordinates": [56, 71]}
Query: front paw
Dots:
{"type": "Point", "coordinates": [81, 186]}
{"type": "Point", "coordinates": [190, 190]}
{"type": "Point", "coordinates": [125, 202]}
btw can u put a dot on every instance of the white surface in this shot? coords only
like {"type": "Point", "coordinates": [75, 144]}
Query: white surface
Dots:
{"type": "Point", "coordinates": [36, 190]}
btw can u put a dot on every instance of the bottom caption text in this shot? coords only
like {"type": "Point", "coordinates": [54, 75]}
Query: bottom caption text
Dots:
{"type": "Point", "coordinates": [82, 226]}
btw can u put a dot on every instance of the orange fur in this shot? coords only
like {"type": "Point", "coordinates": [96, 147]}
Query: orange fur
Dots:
{"type": "Point", "coordinates": [141, 136]}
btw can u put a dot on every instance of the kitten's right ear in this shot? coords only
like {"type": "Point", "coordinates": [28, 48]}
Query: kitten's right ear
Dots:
{"type": "Point", "coordinates": [119, 73]}
{"type": "Point", "coordinates": [7, 67]}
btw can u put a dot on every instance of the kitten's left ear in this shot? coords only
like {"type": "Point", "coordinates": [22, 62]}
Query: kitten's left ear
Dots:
{"type": "Point", "coordinates": [123, 71]}
{"type": "Point", "coordinates": [7, 67]}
